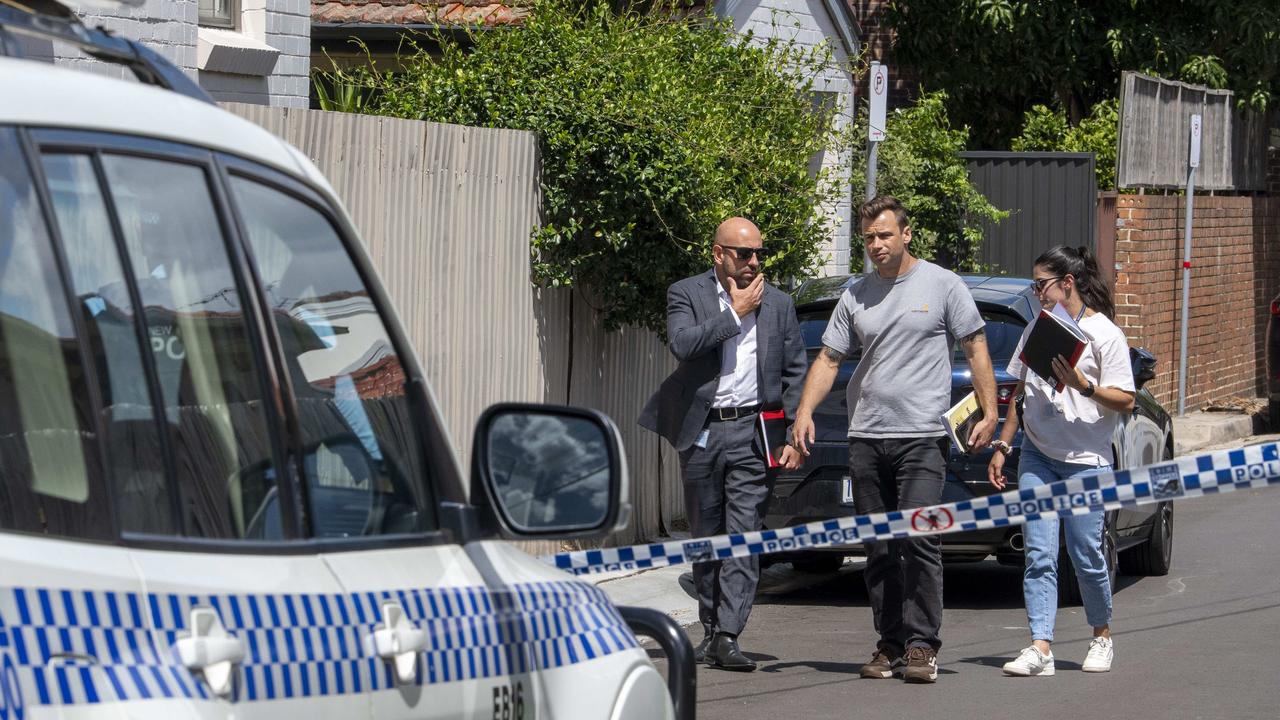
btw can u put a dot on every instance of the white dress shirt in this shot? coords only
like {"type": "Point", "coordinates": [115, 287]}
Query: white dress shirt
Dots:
{"type": "Point", "coordinates": [738, 379]}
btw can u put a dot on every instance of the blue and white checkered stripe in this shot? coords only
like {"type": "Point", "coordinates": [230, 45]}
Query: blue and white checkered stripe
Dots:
{"type": "Point", "coordinates": [299, 645]}
{"type": "Point", "coordinates": [1186, 477]}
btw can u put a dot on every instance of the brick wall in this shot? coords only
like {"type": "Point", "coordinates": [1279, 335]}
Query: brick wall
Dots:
{"type": "Point", "coordinates": [1235, 273]}
{"type": "Point", "coordinates": [878, 39]}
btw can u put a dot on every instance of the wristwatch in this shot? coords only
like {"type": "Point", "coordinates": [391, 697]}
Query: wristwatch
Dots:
{"type": "Point", "coordinates": [1088, 391]}
{"type": "Point", "coordinates": [1002, 446]}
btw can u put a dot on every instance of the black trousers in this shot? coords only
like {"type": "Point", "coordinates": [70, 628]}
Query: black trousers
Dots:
{"type": "Point", "coordinates": [904, 577]}
{"type": "Point", "coordinates": [726, 490]}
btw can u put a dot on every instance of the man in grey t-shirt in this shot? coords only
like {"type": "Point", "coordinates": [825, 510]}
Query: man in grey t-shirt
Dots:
{"type": "Point", "coordinates": [906, 317]}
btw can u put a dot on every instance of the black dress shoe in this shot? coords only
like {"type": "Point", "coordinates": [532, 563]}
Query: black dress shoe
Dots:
{"type": "Point", "coordinates": [724, 654]}
{"type": "Point", "coordinates": [700, 652]}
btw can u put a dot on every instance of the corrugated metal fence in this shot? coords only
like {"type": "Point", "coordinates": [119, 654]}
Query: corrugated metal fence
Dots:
{"type": "Point", "coordinates": [1155, 122]}
{"type": "Point", "coordinates": [446, 212]}
{"type": "Point", "coordinates": [1051, 198]}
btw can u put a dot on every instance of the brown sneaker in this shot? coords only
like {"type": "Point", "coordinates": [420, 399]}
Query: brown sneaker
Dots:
{"type": "Point", "coordinates": [883, 665]}
{"type": "Point", "coordinates": [922, 665]}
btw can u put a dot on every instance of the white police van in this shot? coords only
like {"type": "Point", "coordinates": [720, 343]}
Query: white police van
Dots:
{"type": "Point", "coordinates": [225, 489]}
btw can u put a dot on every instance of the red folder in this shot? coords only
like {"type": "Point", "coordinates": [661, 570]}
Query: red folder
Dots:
{"type": "Point", "coordinates": [772, 427]}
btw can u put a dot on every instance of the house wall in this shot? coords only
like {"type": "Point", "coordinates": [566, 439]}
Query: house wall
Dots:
{"type": "Point", "coordinates": [1235, 272]}
{"type": "Point", "coordinates": [807, 23]}
{"type": "Point", "coordinates": [170, 27]}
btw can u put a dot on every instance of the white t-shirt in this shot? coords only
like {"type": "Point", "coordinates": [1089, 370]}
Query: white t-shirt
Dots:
{"type": "Point", "coordinates": [1066, 425]}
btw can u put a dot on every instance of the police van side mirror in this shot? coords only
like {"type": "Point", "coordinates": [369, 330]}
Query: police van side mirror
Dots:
{"type": "Point", "coordinates": [543, 471]}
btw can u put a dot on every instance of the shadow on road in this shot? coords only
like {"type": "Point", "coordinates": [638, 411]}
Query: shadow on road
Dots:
{"type": "Point", "coordinates": [971, 586]}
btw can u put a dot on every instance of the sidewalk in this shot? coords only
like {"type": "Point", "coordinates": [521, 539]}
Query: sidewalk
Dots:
{"type": "Point", "coordinates": [666, 590]}
{"type": "Point", "coordinates": [1197, 430]}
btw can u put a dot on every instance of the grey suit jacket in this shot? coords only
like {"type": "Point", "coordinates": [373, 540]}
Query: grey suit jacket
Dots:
{"type": "Point", "coordinates": [696, 328]}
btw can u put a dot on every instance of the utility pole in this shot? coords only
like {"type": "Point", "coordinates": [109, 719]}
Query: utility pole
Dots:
{"type": "Point", "coordinates": [878, 90]}
{"type": "Point", "coordinates": [1193, 162]}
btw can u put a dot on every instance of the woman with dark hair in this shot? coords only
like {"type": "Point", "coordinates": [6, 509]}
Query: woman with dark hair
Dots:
{"type": "Point", "coordinates": [1067, 434]}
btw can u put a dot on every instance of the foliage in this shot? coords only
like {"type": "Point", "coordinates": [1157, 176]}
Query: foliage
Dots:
{"type": "Point", "coordinates": [1000, 57]}
{"type": "Point", "coordinates": [654, 128]}
{"type": "Point", "coordinates": [919, 163]}
{"type": "Point", "coordinates": [1046, 129]}
{"type": "Point", "coordinates": [338, 94]}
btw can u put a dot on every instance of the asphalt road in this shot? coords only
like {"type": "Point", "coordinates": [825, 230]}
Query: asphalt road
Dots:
{"type": "Point", "coordinates": [1198, 643]}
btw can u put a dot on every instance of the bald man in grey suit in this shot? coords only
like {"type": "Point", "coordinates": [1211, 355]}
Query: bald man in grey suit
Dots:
{"type": "Point", "coordinates": [739, 347]}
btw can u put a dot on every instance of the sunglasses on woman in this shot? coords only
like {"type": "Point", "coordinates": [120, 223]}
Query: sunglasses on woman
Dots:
{"type": "Point", "coordinates": [744, 253]}
{"type": "Point", "coordinates": [1040, 284]}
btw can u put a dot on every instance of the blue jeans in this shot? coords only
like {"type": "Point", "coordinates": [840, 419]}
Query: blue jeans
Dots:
{"type": "Point", "coordinates": [1084, 547]}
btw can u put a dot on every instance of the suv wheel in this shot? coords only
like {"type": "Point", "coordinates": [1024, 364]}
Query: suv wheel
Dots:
{"type": "Point", "coordinates": [1155, 556]}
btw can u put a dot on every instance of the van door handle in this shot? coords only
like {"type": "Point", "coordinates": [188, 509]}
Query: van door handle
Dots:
{"type": "Point", "coordinates": [398, 641]}
{"type": "Point", "coordinates": [210, 650]}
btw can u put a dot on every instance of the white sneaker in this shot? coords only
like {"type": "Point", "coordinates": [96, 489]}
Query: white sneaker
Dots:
{"type": "Point", "coordinates": [1101, 652]}
{"type": "Point", "coordinates": [1030, 663]}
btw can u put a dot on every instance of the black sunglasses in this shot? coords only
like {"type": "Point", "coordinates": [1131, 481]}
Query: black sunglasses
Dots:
{"type": "Point", "coordinates": [1041, 283]}
{"type": "Point", "coordinates": [744, 253]}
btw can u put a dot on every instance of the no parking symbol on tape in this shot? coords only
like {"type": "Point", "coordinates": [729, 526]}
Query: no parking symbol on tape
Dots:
{"type": "Point", "coordinates": [931, 519]}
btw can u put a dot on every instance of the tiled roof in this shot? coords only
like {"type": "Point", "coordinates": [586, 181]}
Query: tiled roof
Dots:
{"type": "Point", "coordinates": [420, 12]}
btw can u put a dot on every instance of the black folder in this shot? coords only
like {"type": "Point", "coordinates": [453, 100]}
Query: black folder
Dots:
{"type": "Point", "coordinates": [1050, 337]}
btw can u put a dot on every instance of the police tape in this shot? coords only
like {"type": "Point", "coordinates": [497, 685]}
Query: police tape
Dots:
{"type": "Point", "coordinates": [1184, 477]}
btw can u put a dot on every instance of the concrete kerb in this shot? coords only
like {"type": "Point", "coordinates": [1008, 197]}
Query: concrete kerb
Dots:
{"type": "Point", "coordinates": [655, 588]}
{"type": "Point", "coordinates": [1199, 430]}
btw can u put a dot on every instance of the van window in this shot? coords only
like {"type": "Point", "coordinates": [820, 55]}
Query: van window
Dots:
{"type": "Point", "coordinates": [134, 453]}
{"type": "Point", "coordinates": [364, 470]}
{"type": "Point", "coordinates": [199, 339]}
{"type": "Point", "coordinates": [50, 480]}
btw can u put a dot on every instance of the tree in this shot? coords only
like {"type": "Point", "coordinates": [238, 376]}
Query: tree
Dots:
{"type": "Point", "coordinates": [1045, 128]}
{"type": "Point", "coordinates": [999, 58]}
{"type": "Point", "coordinates": [654, 127]}
{"type": "Point", "coordinates": [920, 164]}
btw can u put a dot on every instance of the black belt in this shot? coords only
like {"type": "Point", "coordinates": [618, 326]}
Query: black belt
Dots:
{"type": "Point", "coordinates": [733, 413]}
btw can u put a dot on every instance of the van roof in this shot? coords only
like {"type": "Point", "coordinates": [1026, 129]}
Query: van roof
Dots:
{"type": "Point", "coordinates": [40, 94]}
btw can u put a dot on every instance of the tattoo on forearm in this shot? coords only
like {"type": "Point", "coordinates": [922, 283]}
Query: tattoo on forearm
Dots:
{"type": "Point", "coordinates": [833, 356]}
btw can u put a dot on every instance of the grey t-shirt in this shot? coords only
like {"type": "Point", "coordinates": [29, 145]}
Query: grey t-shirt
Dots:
{"type": "Point", "coordinates": [906, 328]}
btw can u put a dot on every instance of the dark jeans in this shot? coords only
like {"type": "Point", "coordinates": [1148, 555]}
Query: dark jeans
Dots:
{"type": "Point", "coordinates": [904, 577]}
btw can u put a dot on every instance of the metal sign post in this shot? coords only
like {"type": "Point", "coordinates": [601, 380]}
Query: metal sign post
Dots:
{"type": "Point", "coordinates": [1193, 162]}
{"type": "Point", "coordinates": [878, 89]}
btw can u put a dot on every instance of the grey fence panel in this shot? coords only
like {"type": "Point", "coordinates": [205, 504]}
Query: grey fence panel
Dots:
{"type": "Point", "coordinates": [1051, 198]}
{"type": "Point", "coordinates": [445, 214]}
{"type": "Point", "coordinates": [1155, 125]}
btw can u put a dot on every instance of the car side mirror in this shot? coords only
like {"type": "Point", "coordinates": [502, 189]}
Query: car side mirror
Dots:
{"type": "Point", "coordinates": [549, 471]}
{"type": "Point", "coordinates": [1143, 364]}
